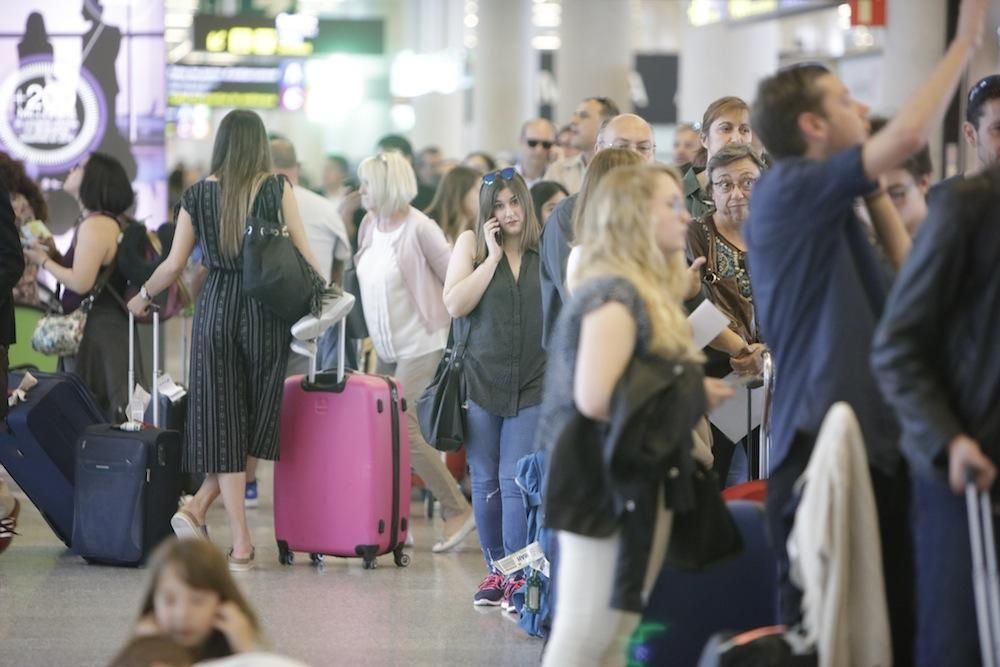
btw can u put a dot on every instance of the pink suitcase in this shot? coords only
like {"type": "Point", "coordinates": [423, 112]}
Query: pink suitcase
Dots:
{"type": "Point", "coordinates": [342, 486]}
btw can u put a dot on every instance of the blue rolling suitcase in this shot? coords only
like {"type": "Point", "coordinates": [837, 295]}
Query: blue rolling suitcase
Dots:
{"type": "Point", "coordinates": [37, 448]}
{"type": "Point", "coordinates": [686, 608]}
{"type": "Point", "coordinates": [127, 485]}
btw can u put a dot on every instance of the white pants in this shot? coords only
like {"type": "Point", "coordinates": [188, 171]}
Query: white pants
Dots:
{"type": "Point", "coordinates": [587, 632]}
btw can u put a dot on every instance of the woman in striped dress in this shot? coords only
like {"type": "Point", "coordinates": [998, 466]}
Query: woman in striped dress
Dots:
{"type": "Point", "coordinates": [239, 347]}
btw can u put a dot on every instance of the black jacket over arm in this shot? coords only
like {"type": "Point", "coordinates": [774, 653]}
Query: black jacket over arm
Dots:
{"type": "Point", "coordinates": [11, 268]}
{"type": "Point", "coordinates": [937, 349]}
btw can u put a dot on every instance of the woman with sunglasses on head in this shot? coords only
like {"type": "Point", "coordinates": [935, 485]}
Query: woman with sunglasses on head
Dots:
{"type": "Point", "coordinates": [718, 237]}
{"type": "Point", "coordinates": [493, 284]}
{"type": "Point", "coordinates": [401, 262]}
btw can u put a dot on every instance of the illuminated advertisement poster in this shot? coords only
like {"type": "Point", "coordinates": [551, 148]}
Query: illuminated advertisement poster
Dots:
{"type": "Point", "coordinates": [79, 76]}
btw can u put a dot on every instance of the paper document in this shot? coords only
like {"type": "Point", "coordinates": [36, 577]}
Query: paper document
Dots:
{"type": "Point", "coordinates": [731, 416]}
{"type": "Point", "coordinates": [167, 387]}
{"type": "Point", "coordinates": [707, 322]}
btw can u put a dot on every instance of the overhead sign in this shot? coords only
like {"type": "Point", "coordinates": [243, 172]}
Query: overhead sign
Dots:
{"type": "Point", "coordinates": [250, 87]}
{"type": "Point", "coordinates": [709, 12]}
{"type": "Point", "coordinates": [286, 35]}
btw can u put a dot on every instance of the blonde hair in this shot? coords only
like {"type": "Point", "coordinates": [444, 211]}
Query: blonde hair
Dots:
{"type": "Point", "coordinates": [531, 230]}
{"type": "Point", "coordinates": [241, 161]}
{"type": "Point", "coordinates": [602, 164]}
{"type": "Point", "coordinates": [392, 185]}
{"type": "Point", "coordinates": [617, 237]}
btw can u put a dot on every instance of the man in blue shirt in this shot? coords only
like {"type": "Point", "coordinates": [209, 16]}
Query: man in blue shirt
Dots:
{"type": "Point", "coordinates": [818, 289]}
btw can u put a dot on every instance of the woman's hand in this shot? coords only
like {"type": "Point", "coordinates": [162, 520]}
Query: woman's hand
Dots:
{"type": "Point", "coordinates": [694, 278]}
{"type": "Point", "coordinates": [138, 306]}
{"type": "Point", "coordinates": [492, 230]}
{"type": "Point", "coordinates": [717, 392]}
{"type": "Point", "coordinates": [234, 624]}
{"type": "Point", "coordinates": [751, 362]}
{"type": "Point", "coordinates": [147, 626]}
{"type": "Point", "coordinates": [36, 253]}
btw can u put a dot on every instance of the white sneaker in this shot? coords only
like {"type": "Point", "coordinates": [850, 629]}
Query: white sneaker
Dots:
{"type": "Point", "coordinates": [458, 537]}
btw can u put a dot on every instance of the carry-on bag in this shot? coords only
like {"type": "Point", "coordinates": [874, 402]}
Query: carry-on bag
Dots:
{"type": "Point", "coordinates": [342, 484]}
{"type": "Point", "coordinates": [37, 447]}
{"type": "Point", "coordinates": [685, 607]}
{"type": "Point", "coordinates": [127, 481]}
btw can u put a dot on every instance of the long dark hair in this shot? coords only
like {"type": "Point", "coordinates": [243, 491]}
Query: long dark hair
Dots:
{"type": "Point", "coordinates": [241, 160]}
{"type": "Point", "coordinates": [541, 192]}
{"type": "Point", "coordinates": [202, 566]}
{"type": "Point", "coordinates": [531, 231]}
{"type": "Point", "coordinates": [447, 207]}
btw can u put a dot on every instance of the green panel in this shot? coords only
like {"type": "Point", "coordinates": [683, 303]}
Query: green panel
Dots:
{"type": "Point", "coordinates": [25, 318]}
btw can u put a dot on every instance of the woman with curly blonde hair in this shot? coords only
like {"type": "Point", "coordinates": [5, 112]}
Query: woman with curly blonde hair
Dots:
{"type": "Point", "coordinates": [627, 304]}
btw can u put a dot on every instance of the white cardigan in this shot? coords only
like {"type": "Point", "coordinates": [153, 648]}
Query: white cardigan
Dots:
{"type": "Point", "coordinates": [835, 550]}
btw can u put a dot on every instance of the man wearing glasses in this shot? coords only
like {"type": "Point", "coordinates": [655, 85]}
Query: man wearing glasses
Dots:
{"type": "Point", "coordinates": [586, 123]}
{"type": "Point", "coordinates": [803, 233]}
{"type": "Point", "coordinates": [622, 131]}
{"type": "Point", "coordinates": [538, 136]}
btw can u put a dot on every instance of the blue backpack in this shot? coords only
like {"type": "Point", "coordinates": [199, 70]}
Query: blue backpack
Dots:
{"type": "Point", "coordinates": [535, 598]}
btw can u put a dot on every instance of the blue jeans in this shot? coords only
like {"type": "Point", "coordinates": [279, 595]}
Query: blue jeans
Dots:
{"type": "Point", "coordinates": [946, 613]}
{"type": "Point", "coordinates": [494, 445]}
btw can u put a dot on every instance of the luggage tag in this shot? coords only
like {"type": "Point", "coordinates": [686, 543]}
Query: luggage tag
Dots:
{"type": "Point", "coordinates": [530, 556]}
{"type": "Point", "coordinates": [533, 593]}
{"type": "Point", "coordinates": [136, 409]}
{"type": "Point", "coordinates": [169, 388]}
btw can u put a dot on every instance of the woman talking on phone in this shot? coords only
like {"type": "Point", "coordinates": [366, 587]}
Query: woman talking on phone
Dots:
{"type": "Point", "coordinates": [492, 283]}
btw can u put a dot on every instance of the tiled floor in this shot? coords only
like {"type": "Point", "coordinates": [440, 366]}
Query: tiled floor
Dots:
{"type": "Point", "coordinates": [56, 610]}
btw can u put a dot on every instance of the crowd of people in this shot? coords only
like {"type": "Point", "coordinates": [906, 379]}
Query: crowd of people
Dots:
{"type": "Point", "coordinates": [570, 272]}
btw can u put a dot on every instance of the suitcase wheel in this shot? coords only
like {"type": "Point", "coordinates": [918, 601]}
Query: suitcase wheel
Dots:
{"type": "Point", "coordinates": [285, 555]}
{"type": "Point", "coordinates": [402, 559]}
{"type": "Point", "coordinates": [317, 559]}
{"type": "Point", "coordinates": [370, 563]}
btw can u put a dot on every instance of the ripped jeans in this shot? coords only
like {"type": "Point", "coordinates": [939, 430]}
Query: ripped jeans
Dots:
{"type": "Point", "coordinates": [494, 445]}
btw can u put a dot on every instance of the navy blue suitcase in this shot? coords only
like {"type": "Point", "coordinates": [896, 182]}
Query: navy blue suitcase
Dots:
{"type": "Point", "coordinates": [685, 608]}
{"type": "Point", "coordinates": [127, 483]}
{"type": "Point", "coordinates": [38, 447]}
{"type": "Point", "coordinates": [127, 486]}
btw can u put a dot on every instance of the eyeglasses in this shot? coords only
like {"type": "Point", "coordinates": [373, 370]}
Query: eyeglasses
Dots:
{"type": "Point", "coordinates": [642, 148]}
{"type": "Point", "coordinates": [533, 143]}
{"type": "Point", "coordinates": [726, 186]}
{"type": "Point", "coordinates": [505, 174]}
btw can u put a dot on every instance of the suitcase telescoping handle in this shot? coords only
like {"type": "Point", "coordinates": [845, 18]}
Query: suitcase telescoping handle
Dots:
{"type": "Point", "coordinates": [985, 581]}
{"type": "Point", "coordinates": [156, 361]}
{"type": "Point", "coordinates": [764, 437]}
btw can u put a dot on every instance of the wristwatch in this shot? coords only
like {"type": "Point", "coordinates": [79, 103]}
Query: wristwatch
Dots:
{"type": "Point", "coordinates": [144, 294]}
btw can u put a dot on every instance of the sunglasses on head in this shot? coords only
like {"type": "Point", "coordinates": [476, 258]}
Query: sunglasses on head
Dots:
{"type": "Point", "coordinates": [533, 143]}
{"type": "Point", "coordinates": [505, 174]}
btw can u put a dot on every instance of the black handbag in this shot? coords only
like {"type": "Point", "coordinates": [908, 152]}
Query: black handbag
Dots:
{"type": "Point", "coordinates": [274, 271]}
{"type": "Point", "coordinates": [357, 328]}
{"type": "Point", "coordinates": [441, 408]}
{"type": "Point", "coordinates": [707, 533]}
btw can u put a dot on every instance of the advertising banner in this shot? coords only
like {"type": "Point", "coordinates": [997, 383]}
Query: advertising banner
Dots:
{"type": "Point", "coordinates": [79, 76]}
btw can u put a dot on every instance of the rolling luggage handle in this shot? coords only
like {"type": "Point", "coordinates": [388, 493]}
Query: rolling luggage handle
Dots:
{"type": "Point", "coordinates": [984, 570]}
{"type": "Point", "coordinates": [764, 439]}
{"type": "Point", "coordinates": [131, 424]}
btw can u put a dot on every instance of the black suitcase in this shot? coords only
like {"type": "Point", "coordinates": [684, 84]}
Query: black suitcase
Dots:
{"type": "Point", "coordinates": [127, 486]}
{"type": "Point", "coordinates": [37, 447]}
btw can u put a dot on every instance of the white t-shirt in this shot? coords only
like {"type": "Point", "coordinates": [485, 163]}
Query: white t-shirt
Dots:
{"type": "Point", "coordinates": [392, 318]}
{"type": "Point", "coordinates": [325, 230]}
